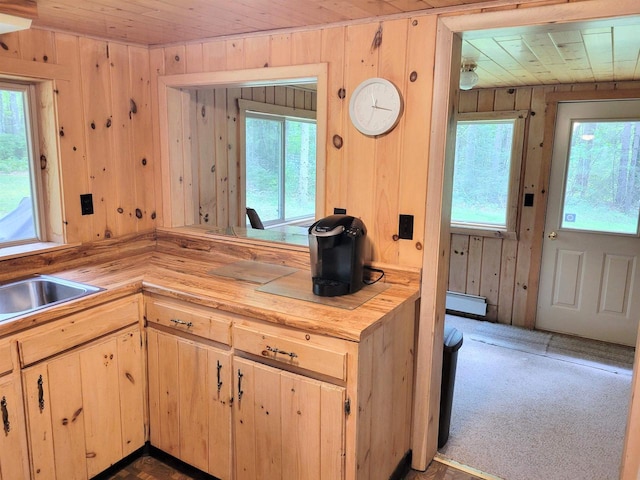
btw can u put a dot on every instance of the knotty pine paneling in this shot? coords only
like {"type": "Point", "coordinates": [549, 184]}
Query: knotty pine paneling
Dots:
{"type": "Point", "coordinates": [501, 269]}
{"type": "Point", "coordinates": [103, 121]}
{"type": "Point", "coordinates": [373, 178]}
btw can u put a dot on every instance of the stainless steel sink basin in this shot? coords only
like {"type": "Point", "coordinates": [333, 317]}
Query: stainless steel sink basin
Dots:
{"type": "Point", "coordinates": [39, 291]}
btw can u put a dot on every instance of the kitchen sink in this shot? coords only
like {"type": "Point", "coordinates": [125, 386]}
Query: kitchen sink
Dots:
{"type": "Point", "coordinates": [29, 294]}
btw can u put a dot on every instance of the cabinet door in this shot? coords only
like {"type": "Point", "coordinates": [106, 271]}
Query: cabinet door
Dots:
{"type": "Point", "coordinates": [55, 419]}
{"type": "Point", "coordinates": [113, 399]}
{"type": "Point", "coordinates": [79, 408]}
{"type": "Point", "coordinates": [287, 425]}
{"type": "Point", "coordinates": [190, 401]}
{"type": "Point", "coordinates": [13, 440]}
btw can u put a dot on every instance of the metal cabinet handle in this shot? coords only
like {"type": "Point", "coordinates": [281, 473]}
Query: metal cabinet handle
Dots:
{"type": "Point", "coordinates": [40, 394]}
{"type": "Point", "coordinates": [552, 235]}
{"type": "Point", "coordinates": [177, 321]}
{"type": "Point", "coordinates": [240, 391]}
{"type": "Point", "coordinates": [282, 352]}
{"type": "Point", "coordinates": [5, 415]}
{"type": "Point", "coordinates": [219, 380]}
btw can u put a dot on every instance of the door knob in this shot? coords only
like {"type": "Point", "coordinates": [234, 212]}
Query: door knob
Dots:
{"type": "Point", "coordinates": [552, 235]}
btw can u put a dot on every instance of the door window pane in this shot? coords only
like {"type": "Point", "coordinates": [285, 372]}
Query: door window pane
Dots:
{"type": "Point", "coordinates": [17, 219]}
{"type": "Point", "coordinates": [602, 187]}
{"type": "Point", "coordinates": [481, 173]}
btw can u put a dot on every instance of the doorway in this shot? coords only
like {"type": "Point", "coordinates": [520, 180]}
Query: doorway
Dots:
{"type": "Point", "coordinates": [447, 66]}
{"type": "Point", "coordinates": [589, 279]}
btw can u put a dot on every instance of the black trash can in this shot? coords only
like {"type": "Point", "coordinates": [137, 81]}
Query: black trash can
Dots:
{"type": "Point", "coordinates": [452, 343]}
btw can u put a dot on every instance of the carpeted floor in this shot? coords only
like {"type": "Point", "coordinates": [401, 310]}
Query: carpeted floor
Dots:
{"type": "Point", "coordinates": [532, 405]}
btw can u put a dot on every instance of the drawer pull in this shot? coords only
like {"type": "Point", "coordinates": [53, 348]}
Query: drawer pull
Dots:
{"type": "Point", "coordinates": [282, 352]}
{"type": "Point", "coordinates": [5, 416]}
{"type": "Point", "coordinates": [177, 321]}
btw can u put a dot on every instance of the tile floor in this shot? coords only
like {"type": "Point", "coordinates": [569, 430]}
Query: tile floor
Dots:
{"type": "Point", "coordinates": [151, 468]}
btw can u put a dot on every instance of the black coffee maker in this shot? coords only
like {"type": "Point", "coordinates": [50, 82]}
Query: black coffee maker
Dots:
{"type": "Point", "coordinates": [336, 244]}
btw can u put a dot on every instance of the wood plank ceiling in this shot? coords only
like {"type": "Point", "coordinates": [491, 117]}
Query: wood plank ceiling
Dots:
{"type": "Point", "coordinates": [154, 22]}
{"type": "Point", "coordinates": [555, 54]}
{"type": "Point", "coordinates": [601, 51]}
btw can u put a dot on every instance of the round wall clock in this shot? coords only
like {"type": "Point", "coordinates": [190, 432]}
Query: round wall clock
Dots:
{"type": "Point", "coordinates": [375, 106]}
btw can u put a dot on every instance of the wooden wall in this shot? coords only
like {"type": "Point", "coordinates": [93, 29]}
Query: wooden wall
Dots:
{"type": "Point", "coordinates": [101, 93]}
{"type": "Point", "coordinates": [98, 83]}
{"type": "Point", "coordinates": [501, 269]}
{"type": "Point", "coordinates": [375, 179]}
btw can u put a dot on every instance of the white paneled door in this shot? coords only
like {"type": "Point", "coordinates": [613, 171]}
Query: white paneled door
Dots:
{"type": "Point", "coordinates": [590, 279]}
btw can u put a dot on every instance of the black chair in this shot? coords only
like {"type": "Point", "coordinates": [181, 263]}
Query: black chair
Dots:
{"type": "Point", "coordinates": [254, 219]}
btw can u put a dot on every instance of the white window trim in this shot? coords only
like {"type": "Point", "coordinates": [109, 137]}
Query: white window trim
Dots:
{"type": "Point", "coordinates": [245, 106]}
{"type": "Point", "coordinates": [513, 195]}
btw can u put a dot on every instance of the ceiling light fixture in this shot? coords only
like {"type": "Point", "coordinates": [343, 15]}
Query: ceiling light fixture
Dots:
{"type": "Point", "coordinates": [11, 23]}
{"type": "Point", "coordinates": [468, 77]}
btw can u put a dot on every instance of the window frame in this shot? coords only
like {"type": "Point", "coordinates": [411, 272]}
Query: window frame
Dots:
{"type": "Point", "coordinates": [519, 118]}
{"type": "Point", "coordinates": [28, 90]}
{"type": "Point", "coordinates": [253, 109]}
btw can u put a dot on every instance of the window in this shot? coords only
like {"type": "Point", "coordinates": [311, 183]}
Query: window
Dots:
{"type": "Point", "coordinates": [601, 190]}
{"type": "Point", "coordinates": [19, 221]}
{"type": "Point", "coordinates": [280, 163]}
{"type": "Point", "coordinates": [486, 172]}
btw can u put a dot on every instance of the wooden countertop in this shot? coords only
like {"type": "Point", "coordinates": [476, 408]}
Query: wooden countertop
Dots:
{"type": "Point", "coordinates": [188, 279]}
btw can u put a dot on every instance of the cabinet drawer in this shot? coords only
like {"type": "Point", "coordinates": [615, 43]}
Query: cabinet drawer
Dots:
{"type": "Point", "coordinates": [291, 351]}
{"type": "Point", "coordinates": [78, 328]}
{"type": "Point", "coordinates": [6, 363]}
{"type": "Point", "coordinates": [186, 317]}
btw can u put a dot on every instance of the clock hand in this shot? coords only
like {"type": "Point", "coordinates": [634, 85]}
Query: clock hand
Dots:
{"type": "Point", "coordinates": [372, 112]}
{"type": "Point", "coordinates": [381, 108]}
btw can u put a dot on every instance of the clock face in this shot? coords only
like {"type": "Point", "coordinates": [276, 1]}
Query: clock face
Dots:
{"type": "Point", "coordinates": [375, 106]}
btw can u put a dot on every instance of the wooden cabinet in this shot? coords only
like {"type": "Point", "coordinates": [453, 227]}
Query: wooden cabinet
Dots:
{"type": "Point", "coordinates": [287, 425]}
{"type": "Point", "coordinates": [13, 440]}
{"type": "Point", "coordinates": [291, 408]}
{"type": "Point", "coordinates": [304, 405]}
{"type": "Point", "coordinates": [236, 382]}
{"type": "Point", "coordinates": [318, 407]}
{"type": "Point", "coordinates": [190, 391]}
{"type": "Point", "coordinates": [85, 407]}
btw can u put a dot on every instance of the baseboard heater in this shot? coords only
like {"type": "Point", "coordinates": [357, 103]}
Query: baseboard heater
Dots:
{"type": "Point", "coordinates": [465, 303]}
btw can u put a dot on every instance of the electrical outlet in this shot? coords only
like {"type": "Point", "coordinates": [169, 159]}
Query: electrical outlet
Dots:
{"type": "Point", "coordinates": [339, 211]}
{"type": "Point", "coordinates": [86, 204]}
{"type": "Point", "coordinates": [405, 227]}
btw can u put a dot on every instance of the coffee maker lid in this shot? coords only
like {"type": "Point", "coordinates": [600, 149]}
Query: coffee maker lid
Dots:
{"type": "Point", "coordinates": [331, 225]}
